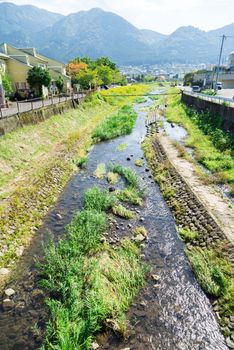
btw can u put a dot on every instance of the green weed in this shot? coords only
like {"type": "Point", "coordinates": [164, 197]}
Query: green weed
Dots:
{"type": "Point", "coordinates": [122, 212]}
{"type": "Point", "coordinates": [188, 235]}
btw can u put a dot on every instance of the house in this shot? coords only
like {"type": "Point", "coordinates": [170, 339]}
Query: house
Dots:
{"type": "Point", "coordinates": [16, 62]}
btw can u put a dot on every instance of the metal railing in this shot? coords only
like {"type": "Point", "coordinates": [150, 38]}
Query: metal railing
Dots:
{"type": "Point", "coordinates": [216, 99]}
{"type": "Point", "coordinates": [18, 107]}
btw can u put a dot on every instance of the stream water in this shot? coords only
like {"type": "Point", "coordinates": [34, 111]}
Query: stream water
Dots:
{"type": "Point", "coordinates": [177, 133]}
{"type": "Point", "coordinates": [170, 314]}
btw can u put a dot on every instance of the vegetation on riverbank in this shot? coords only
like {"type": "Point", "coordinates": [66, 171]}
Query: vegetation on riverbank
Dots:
{"type": "Point", "coordinates": [38, 160]}
{"type": "Point", "coordinates": [116, 125]}
{"type": "Point", "coordinates": [213, 147]}
{"type": "Point", "coordinates": [209, 253]}
{"type": "Point", "coordinates": [89, 282]}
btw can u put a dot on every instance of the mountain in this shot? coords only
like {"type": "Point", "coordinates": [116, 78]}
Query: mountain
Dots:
{"type": "Point", "coordinates": [187, 45]}
{"type": "Point", "coordinates": [151, 37]}
{"type": "Point", "coordinates": [99, 33]}
{"type": "Point", "coordinates": [18, 24]}
{"type": "Point", "coordinates": [96, 33]}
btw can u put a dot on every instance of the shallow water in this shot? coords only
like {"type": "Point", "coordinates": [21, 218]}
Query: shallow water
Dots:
{"type": "Point", "coordinates": [176, 313]}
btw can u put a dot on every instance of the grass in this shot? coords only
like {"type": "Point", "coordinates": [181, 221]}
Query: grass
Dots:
{"type": "Point", "coordinates": [140, 230]}
{"type": "Point", "coordinates": [130, 195]}
{"type": "Point", "coordinates": [140, 100]}
{"type": "Point", "coordinates": [129, 175]}
{"type": "Point", "coordinates": [118, 124]}
{"type": "Point", "coordinates": [82, 161]}
{"type": "Point", "coordinates": [112, 178]}
{"type": "Point", "coordinates": [100, 172]}
{"type": "Point", "coordinates": [139, 162]}
{"type": "Point", "coordinates": [88, 281]}
{"type": "Point", "coordinates": [98, 200]}
{"type": "Point", "coordinates": [188, 235]}
{"type": "Point", "coordinates": [121, 211]}
{"type": "Point", "coordinates": [36, 162]}
{"type": "Point", "coordinates": [212, 272]}
{"type": "Point", "coordinates": [122, 147]}
{"type": "Point", "coordinates": [213, 147]}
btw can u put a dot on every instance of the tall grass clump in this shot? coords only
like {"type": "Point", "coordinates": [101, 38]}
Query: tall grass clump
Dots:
{"type": "Point", "coordinates": [129, 175]}
{"type": "Point", "coordinates": [88, 281]}
{"type": "Point", "coordinates": [120, 123]}
{"type": "Point", "coordinates": [212, 272]}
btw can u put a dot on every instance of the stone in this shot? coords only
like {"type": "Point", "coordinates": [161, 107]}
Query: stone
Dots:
{"type": "Point", "coordinates": [125, 349]}
{"type": "Point", "coordinates": [9, 292]}
{"type": "Point", "coordinates": [230, 343]}
{"type": "Point", "coordinates": [8, 304]}
{"type": "Point", "coordinates": [231, 318]}
{"type": "Point", "coordinates": [130, 225]}
{"type": "Point", "coordinates": [4, 271]}
{"type": "Point", "coordinates": [59, 216]}
{"type": "Point", "coordinates": [111, 189]}
{"type": "Point", "coordinates": [19, 251]}
{"type": "Point", "coordinates": [142, 219]}
{"type": "Point", "coordinates": [156, 277]}
{"type": "Point", "coordinates": [95, 346]}
{"type": "Point", "coordinates": [37, 294]}
{"type": "Point", "coordinates": [139, 238]}
{"type": "Point", "coordinates": [128, 158]}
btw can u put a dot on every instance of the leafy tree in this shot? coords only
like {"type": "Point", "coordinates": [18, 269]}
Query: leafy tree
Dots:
{"type": "Point", "coordinates": [74, 67]}
{"type": "Point", "coordinates": [188, 79]}
{"type": "Point", "coordinates": [7, 85]}
{"type": "Point", "coordinates": [105, 74]}
{"type": "Point", "coordinates": [37, 77]}
{"type": "Point", "coordinates": [60, 83]}
{"type": "Point", "coordinates": [105, 61]}
{"type": "Point", "coordinates": [86, 78]}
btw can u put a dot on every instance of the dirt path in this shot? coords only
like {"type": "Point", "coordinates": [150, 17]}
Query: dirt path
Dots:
{"type": "Point", "coordinates": [218, 206]}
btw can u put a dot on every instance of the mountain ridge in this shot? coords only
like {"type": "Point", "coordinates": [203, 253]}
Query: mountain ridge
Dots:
{"type": "Point", "coordinates": [100, 33]}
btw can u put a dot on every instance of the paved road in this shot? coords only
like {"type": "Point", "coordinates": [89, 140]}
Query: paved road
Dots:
{"type": "Point", "coordinates": [26, 106]}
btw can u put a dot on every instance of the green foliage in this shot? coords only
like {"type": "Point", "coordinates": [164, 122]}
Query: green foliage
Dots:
{"type": "Point", "coordinates": [100, 172]}
{"type": "Point", "coordinates": [129, 174]}
{"type": "Point", "coordinates": [209, 92]}
{"type": "Point", "coordinates": [112, 178]}
{"type": "Point", "coordinates": [105, 74]}
{"type": "Point", "coordinates": [188, 235]}
{"type": "Point", "coordinates": [139, 162]}
{"type": "Point", "coordinates": [140, 230]}
{"type": "Point", "coordinates": [84, 288]}
{"type": "Point", "coordinates": [130, 195]}
{"type": "Point", "coordinates": [212, 272]}
{"type": "Point", "coordinates": [82, 161]}
{"type": "Point", "coordinates": [213, 146]}
{"type": "Point", "coordinates": [188, 79]}
{"type": "Point", "coordinates": [118, 124]}
{"type": "Point", "coordinates": [7, 85]}
{"type": "Point", "coordinates": [122, 212]}
{"type": "Point", "coordinates": [60, 83]}
{"type": "Point", "coordinates": [38, 76]}
{"type": "Point", "coordinates": [98, 200]}
{"type": "Point", "coordinates": [140, 100]}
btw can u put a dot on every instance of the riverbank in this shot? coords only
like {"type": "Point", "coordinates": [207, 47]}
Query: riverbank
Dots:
{"type": "Point", "coordinates": [205, 226]}
{"type": "Point", "coordinates": [36, 163]}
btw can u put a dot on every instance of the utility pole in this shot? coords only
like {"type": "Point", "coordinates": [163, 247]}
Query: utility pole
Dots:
{"type": "Point", "coordinates": [220, 56]}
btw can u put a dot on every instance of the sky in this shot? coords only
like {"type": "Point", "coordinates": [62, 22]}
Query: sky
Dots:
{"type": "Point", "coordinates": [163, 16]}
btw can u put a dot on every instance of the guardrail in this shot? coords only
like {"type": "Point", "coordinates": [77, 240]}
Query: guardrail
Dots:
{"type": "Point", "coordinates": [216, 99]}
{"type": "Point", "coordinates": [19, 107]}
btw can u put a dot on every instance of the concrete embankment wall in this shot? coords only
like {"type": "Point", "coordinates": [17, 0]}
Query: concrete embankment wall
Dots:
{"type": "Point", "coordinates": [226, 112]}
{"type": "Point", "coordinates": [36, 116]}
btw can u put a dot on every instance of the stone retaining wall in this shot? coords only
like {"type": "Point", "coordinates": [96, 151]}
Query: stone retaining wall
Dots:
{"type": "Point", "coordinates": [226, 112]}
{"type": "Point", "coordinates": [36, 116]}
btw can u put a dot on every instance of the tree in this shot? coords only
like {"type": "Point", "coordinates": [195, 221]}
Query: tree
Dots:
{"type": "Point", "coordinates": [38, 77]}
{"type": "Point", "coordinates": [105, 61]}
{"type": "Point", "coordinates": [188, 79]}
{"type": "Point", "coordinates": [74, 67]}
{"type": "Point", "coordinates": [105, 74]}
{"type": "Point", "coordinates": [86, 78]}
{"type": "Point", "coordinates": [7, 84]}
{"type": "Point", "coordinates": [60, 83]}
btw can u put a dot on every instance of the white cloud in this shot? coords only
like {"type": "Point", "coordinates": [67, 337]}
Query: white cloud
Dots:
{"type": "Point", "coordinates": [160, 15]}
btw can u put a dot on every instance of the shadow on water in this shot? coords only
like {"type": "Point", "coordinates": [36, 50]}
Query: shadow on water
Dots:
{"type": "Point", "coordinates": [173, 313]}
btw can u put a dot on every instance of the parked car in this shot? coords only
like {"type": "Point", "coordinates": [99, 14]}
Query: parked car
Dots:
{"type": "Point", "coordinates": [196, 88]}
{"type": "Point", "coordinates": [219, 86]}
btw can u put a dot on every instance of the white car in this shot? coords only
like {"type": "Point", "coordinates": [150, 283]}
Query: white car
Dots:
{"type": "Point", "coordinates": [196, 88]}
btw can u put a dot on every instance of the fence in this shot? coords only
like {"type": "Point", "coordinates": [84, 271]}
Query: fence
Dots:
{"type": "Point", "coordinates": [18, 107]}
{"type": "Point", "coordinates": [215, 99]}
